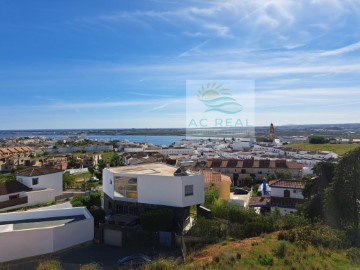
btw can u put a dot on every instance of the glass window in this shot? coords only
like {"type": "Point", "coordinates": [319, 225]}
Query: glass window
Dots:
{"type": "Point", "coordinates": [189, 190]}
{"type": "Point", "coordinates": [12, 197]}
{"type": "Point", "coordinates": [35, 181]}
{"type": "Point", "coordinates": [125, 187]}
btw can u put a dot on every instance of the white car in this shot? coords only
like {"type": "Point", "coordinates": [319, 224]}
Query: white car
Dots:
{"type": "Point", "coordinates": [93, 179]}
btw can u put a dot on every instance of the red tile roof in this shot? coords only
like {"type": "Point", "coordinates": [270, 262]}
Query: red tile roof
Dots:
{"type": "Point", "coordinates": [259, 201]}
{"type": "Point", "coordinates": [36, 171]}
{"type": "Point", "coordinates": [250, 163]}
{"type": "Point", "coordinates": [287, 183]}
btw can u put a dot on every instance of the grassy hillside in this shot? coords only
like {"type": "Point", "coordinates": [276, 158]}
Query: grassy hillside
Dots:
{"type": "Point", "coordinates": [261, 253]}
{"type": "Point", "coordinates": [339, 149]}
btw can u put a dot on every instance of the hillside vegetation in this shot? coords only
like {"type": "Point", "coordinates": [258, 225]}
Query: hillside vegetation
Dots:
{"type": "Point", "coordinates": [340, 149]}
{"type": "Point", "coordinates": [265, 252]}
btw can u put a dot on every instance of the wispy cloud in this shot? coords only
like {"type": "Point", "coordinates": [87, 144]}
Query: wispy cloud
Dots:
{"type": "Point", "coordinates": [340, 51]}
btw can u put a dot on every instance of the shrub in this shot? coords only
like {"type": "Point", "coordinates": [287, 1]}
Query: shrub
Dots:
{"type": "Point", "coordinates": [353, 254]}
{"type": "Point", "coordinates": [211, 196]}
{"type": "Point", "coordinates": [317, 235]}
{"type": "Point", "coordinates": [161, 264]}
{"type": "Point", "coordinates": [280, 250]}
{"type": "Point", "coordinates": [91, 266]}
{"type": "Point", "coordinates": [49, 265]}
{"type": "Point", "coordinates": [208, 228]}
{"type": "Point", "coordinates": [290, 221]}
{"type": "Point", "coordinates": [266, 260]}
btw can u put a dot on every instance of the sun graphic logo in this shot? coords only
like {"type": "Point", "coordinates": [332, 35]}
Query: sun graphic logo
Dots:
{"type": "Point", "coordinates": [217, 98]}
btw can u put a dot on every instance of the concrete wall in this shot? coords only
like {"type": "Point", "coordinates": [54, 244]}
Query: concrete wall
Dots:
{"type": "Point", "coordinates": [199, 190]}
{"type": "Point", "coordinates": [54, 181]}
{"type": "Point", "coordinates": [73, 234]}
{"type": "Point", "coordinates": [33, 242]}
{"type": "Point", "coordinates": [108, 183]}
{"type": "Point", "coordinates": [81, 170]}
{"type": "Point", "coordinates": [160, 190]}
{"type": "Point", "coordinates": [170, 190]}
{"type": "Point", "coordinates": [27, 243]}
{"type": "Point", "coordinates": [41, 196]}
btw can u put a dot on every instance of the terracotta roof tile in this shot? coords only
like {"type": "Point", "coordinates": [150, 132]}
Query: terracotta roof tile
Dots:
{"type": "Point", "coordinates": [36, 171]}
{"type": "Point", "coordinates": [287, 183]}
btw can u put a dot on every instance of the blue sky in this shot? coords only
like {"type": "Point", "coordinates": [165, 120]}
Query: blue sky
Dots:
{"type": "Point", "coordinates": [124, 64]}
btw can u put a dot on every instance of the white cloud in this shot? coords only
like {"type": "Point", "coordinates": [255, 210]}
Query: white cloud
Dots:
{"type": "Point", "coordinates": [347, 49]}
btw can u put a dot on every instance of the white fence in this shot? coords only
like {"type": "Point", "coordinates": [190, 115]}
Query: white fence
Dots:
{"type": "Point", "coordinates": [74, 171]}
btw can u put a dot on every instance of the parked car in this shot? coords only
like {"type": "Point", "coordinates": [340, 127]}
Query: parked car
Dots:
{"type": "Point", "coordinates": [240, 191]}
{"type": "Point", "coordinates": [133, 260]}
{"type": "Point", "coordinates": [93, 179]}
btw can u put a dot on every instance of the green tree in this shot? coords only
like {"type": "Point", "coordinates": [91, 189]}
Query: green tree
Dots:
{"type": "Point", "coordinates": [101, 165]}
{"type": "Point", "coordinates": [342, 198]}
{"type": "Point", "coordinates": [68, 180]}
{"type": "Point", "coordinates": [315, 188]}
{"type": "Point", "coordinates": [116, 160]}
{"type": "Point", "coordinates": [91, 170]}
{"type": "Point", "coordinates": [211, 196]}
{"type": "Point", "coordinates": [248, 181]}
{"type": "Point", "coordinates": [74, 163]}
{"type": "Point", "coordinates": [315, 139]}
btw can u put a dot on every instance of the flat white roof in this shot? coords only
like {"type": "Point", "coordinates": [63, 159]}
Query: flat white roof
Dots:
{"type": "Point", "coordinates": [148, 169]}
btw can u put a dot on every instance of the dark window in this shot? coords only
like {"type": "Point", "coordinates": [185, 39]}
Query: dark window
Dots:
{"type": "Point", "coordinates": [243, 171]}
{"type": "Point", "coordinates": [11, 197]}
{"type": "Point", "coordinates": [286, 193]}
{"type": "Point", "coordinates": [189, 190]}
{"type": "Point", "coordinates": [35, 181]}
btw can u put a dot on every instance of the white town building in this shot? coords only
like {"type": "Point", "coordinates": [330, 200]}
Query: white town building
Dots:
{"type": "Point", "coordinates": [38, 178]}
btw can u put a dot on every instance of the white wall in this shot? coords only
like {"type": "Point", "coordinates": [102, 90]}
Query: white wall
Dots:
{"type": "Point", "coordinates": [41, 196]}
{"type": "Point", "coordinates": [4, 198]}
{"type": "Point", "coordinates": [73, 234]}
{"type": "Point", "coordinates": [26, 243]}
{"type": "Point", "coordinates": [199, 190]}
{"type": "Point", "coordinates": [54, 180]}
{"type": "Point", "coordinates": [108, 183]}
{"type": "Point", "coordinates": [162, 190]}
{"type": "Point", "coordinates": [279, 192]}
{"type": "Point", "coordinates": [32, 242]}
{"type": "Point", "coordinates": [170, 190]}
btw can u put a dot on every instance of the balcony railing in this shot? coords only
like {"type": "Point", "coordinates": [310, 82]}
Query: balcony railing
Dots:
{"type": "Point", "coordinates": [13, 202]}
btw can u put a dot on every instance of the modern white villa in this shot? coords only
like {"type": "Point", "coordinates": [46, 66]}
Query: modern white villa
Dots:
{"type": "Point", "coordinates": [38, 178]}
{"type": "Point", "coordinates": [135, 189]}
{"type": "Point", "coordinates": [33, 233]}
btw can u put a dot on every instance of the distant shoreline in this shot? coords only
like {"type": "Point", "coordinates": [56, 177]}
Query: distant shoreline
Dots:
{"type": "Point", "coordinates": [293, 130]}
